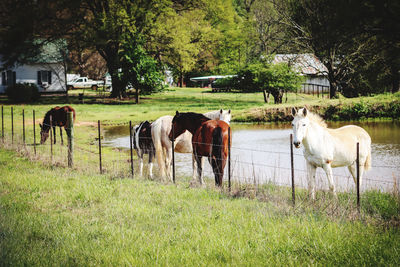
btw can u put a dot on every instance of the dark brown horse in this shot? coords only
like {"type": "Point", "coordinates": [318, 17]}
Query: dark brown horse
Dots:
{"type": "Point", "coordinates": [210, 139]}
{"type": "Point", "coordinates": [58, 118]}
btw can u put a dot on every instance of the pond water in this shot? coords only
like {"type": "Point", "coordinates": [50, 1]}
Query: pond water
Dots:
{"type": "Point", "coordinates": [261, 153]}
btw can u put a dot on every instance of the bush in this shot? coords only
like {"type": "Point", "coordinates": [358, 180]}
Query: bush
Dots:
{"type": "Point", "coordinates": [23, 92]}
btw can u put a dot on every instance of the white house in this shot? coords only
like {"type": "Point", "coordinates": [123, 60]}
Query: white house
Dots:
{"type": "Point", "coordinates": [45, 70]}
{"type": "Point", "coordinates": [311, 67]}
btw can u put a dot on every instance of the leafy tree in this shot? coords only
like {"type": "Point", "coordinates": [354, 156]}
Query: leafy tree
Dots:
{"type": "Point", "coordinates": [139, 70]}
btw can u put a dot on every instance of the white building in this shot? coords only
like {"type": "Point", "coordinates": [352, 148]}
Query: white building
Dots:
{"type": "Point", "coordinates": [311, 67]}
{"type": "Point", "coordinates": [45, 70]}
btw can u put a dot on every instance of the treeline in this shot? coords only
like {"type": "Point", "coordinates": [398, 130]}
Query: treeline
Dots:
{"type": "Point", "coordinates": [135, 41]}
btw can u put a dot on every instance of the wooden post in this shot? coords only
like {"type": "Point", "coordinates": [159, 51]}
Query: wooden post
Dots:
{"type": "Point", "coordinates": [318, 90]}
{"type": "Point", "coordinates": [358, 176]}
{"type": "Point", "coordinates": [173, 155]}
{"type": "Point", "coordinates": [131, 145]}
{"type": "Point", "coordinates": [292, 167]}
{"type": "Point", "coordinates": [51, 138]}
{"type": "Point", "coordinates": [12, 125]}
{"type": "Point", "coordinates": [23, 125]}
{"type": "Point", "coordinates": [229, 158]}
{"type": "Point", "coordinates": [2, 123]}
{"type": "Point", "coordinates": [34, 133]}
{"type": "Point", "coordinates": [98, 127]}
{"type": "Point", "coordinates": [70, 135]}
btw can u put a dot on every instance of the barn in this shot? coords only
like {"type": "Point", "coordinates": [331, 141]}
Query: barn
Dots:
{"type": "Point", "coordinates": [309, 66]}
{"type": "Point", "coordinates": [46, 70]}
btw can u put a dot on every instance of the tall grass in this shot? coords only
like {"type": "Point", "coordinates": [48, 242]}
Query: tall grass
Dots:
{"type": "Point", "coordinates": [55, 216]}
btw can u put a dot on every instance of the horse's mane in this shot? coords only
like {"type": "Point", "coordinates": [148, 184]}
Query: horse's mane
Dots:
{"type": "Point", "coordinates": [197, 116]}
{"type": "Point", "coordinates": [317, 118]}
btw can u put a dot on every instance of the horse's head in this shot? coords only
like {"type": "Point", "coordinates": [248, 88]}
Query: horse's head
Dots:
{"type": "Point", "coordinates": [300, 123]}
{"type": "Point", "coordinates": [44, 133]}
{"type": "Point", "coordinates": [177, 127]}
{"type": "Point", "coordinates": [225, 116]}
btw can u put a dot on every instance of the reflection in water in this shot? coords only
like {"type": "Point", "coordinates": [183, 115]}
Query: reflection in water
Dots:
{"type": "Point", "coordinates": [261, 153]}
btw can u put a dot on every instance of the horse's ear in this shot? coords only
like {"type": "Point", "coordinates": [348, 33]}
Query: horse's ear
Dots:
{"type": "Point", "coordinates": [220, 111]}
{"type": "Point", "coordinates": [229, 111]}
{"type": "Point", "coordinates": [305, 111]}
{"type": "Point", "coordinates": [177, 113]}
{"type": "Point", "coordinates": [294, 111]}
{"type": "Point", "coordinates": [40, 125]}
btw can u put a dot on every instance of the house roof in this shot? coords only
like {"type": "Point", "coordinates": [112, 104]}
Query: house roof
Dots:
{"type": "Point", "coordinates": [306, 64]}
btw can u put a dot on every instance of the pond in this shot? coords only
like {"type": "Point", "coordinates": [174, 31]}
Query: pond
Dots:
{"type": "Point", "coordinates": [261, 153]}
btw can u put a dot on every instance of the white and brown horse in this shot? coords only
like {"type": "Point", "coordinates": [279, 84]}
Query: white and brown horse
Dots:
{"type": "Point", "coordinates": [143, 144]}
{"type": "Point", "coordinates": [160, 130]}
{"type": "Point", "coordinates": [329, 148]}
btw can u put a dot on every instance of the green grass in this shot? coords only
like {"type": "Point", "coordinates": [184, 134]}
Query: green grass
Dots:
{"type": "Point", "coordinates": [54, 216]}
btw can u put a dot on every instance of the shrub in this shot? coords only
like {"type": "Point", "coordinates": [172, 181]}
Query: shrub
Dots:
{"type": "Point", "coordinates": [23, 92]}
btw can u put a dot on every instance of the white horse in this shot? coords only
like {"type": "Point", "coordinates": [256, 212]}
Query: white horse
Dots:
{"type": "Point", "coordinates": [330, 148]}
{"type": "Point", "coordinates": [183, 144]}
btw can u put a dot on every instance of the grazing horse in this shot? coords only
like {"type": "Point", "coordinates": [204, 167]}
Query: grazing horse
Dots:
{"type": "Point", "coordinates": [183, 144]}
{"type": "Point", "coordinates": [329, 148]}
{"type": "Point", "coordinates": [209, 139]}
{"type": "Point", "coordinates": [58, 118]}
{"type": "Point", "coordinates": [143, 144]}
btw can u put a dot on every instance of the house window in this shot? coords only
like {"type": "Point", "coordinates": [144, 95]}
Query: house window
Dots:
{"type": "Point", "coordinates": [44, 76]}
{"type": "Point", "coordinates": [8, 78]}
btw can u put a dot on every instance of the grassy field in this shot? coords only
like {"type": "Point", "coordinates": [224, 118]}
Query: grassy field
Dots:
{"type": "Point", "coordinates": [54, 216]}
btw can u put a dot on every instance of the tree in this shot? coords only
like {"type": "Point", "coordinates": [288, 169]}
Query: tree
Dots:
{"type": "Point", "coordinates": [139, 70]}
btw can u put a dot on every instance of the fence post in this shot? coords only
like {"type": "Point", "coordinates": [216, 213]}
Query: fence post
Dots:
{"type": "Point", "coordinates": [229, 158]}
{"type": "Point", "coordinates": [34, 133]}
{"type": "Point", "coordinates": [23, 125]}
{"type": "Point", "coordinates": [51, 138]}
{"type": "Point", "coordinates": [358, 176]}
{"type": "Point", "coordinates": [292, 167]}
{"type": "Point", "coordinates": [2, 123]}
{"type": "Point", "coordinates": [173, 155]}
{"type": "Point", "coordinates": [70, 135]}
{"type": "Point", "coordinates": [98, 127]}
{"type": "Point", "coordinates": [131, 145]}
{"type": "Point", "coordinates": [12, 125]}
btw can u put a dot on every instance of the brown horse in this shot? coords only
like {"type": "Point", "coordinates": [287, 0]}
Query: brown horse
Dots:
{"type": "Point", "coordinates": [210, 139]}
{"type": "Point", "coordinates": [58, 118]}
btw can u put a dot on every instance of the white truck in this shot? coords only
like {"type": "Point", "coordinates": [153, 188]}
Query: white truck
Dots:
{"type": "Point", "coordinates": [85, 82]}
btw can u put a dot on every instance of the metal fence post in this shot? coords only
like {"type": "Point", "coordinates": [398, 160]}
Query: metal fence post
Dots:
{"type": "Point", "coordinates": [358, 176]}
{"type": "Point", "coordinates": [2, 123]}
{"type": "Point", "coordinates": [51, 138]}
{"type": "Point", "coordinates": [229, 158]}
{"type": "Point", "coordinates": [98, 127]}
{"type": "Point", "coordinates": [131, 145]}
{"type": "Point", "coordinates": [23, 125]}
{"type": "Point", "coordinates": [34, 132]}
{"type": "Point", "coordinates": [12, 125]}
{"type": "Point", "coordinates": [292, 167]}
{"type": "Point", "coordinates": [70, 136]}
{"type": "Point", "coordinates": [173, 155]}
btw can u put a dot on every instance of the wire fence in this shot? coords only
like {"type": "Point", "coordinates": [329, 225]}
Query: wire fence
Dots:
{"type": "Point", "coordinates": [20, 131]}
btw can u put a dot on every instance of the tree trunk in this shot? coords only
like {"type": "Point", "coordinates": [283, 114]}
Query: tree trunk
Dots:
{"type": "Point", "coordinates": [265, 96]}
{"type": "Point", "coordinates": [395, 78]}
{"type": "Point", "coordinates": [137, 95]}
{"type": "Point", "coordinates": [181, 78]}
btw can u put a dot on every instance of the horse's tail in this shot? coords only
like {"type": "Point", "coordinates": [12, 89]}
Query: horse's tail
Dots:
{"type": "Point", "coordinates": [367, 164]}
{"type": "Point", "coordinates": [217, 144]}
{"type": "Point", "coordinates": [156, 136]}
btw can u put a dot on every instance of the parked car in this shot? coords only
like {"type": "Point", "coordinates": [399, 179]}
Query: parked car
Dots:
{"type": "Point", "coordinates": [84, 82]}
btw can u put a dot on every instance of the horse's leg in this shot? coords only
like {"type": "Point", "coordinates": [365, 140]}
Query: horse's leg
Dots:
{"type": "Point", "coordinates": [168, 162]}
{"type": "Point", "coordinates": [151, 156]}
{"type": "Point", "coordinates": [328, 170]}
{"type": "Point", "coordinates": [54, 134]}
{"type": "Point", "coordinates": [141, 163]}
{"type": "Point", "coordinates": [62, 141]}
{"type": "Point", "coordinates": [311, 170]}
{"type": "Point", "coordinates": [353, 170]}
{"type": "Point", "coordinates": [199, 160]}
